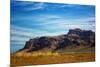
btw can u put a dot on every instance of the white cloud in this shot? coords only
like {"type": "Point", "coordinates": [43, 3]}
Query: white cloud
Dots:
{"type": "Point", "coordinates": [35, 6]}
{"type": "Point", "coordinates": [63, 24]}
{"type": "Point", "coordinates": [16, 38]}
{"type": "Point", "coordinates": [18, 42]}
{"type": "Point", "coordinates": [86, 19]}
{"type": "Point", "coordinates": [51, 25]}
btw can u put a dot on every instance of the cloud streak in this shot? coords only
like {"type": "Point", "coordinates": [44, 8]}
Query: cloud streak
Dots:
{"type": "Point", "coordinates": [36, 19]}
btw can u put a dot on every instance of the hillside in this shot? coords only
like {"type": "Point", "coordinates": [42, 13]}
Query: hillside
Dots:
{"type": "Point", "coordinates": [75, 38]}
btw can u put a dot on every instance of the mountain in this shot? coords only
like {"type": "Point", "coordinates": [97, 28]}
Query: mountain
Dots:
{"type": "Point", "coordinates": [75, 38]}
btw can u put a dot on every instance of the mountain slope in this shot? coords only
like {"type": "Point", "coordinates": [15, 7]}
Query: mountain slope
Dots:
{"type": "Point", "coordinates": [75, 39]}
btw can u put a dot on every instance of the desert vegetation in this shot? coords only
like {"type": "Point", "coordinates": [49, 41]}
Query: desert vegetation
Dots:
{"type": "Point", "coordinates": [50, 58]}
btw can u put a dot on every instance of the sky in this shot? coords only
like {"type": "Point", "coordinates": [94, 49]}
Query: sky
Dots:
{"type": "Point", "coordinates": [35, 19]}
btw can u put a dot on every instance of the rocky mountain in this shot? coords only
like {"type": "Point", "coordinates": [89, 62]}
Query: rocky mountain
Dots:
{"type": "Point", "coordinates": [76, 37]}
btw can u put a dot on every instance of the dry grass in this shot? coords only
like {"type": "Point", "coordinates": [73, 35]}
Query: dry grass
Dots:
{"type": "Point", "coordinates": [50, 58]}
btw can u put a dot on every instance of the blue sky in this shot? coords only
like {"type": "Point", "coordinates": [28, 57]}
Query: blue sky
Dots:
{"type": "Point", "coordinates": [35, 19]}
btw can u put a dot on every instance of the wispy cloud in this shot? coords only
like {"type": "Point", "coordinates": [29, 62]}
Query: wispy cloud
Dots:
{"type": "Point", "coordinates": [38, 6]}
{"type": "Point", "coordinates": [86, 19]}
{"type": "Point", "coordinates": [21, 3]}
{"type": "Point", "coordinates": [36, 19]}
{"type": "Point", "coordinates": [18, 42]}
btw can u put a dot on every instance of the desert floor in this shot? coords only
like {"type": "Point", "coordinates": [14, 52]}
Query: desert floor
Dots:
{"type": "Point", "coordinates": [50, 58]}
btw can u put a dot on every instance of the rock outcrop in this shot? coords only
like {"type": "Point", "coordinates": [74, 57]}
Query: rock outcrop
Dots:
{"type": "Point", "coordinates": [75, 37]}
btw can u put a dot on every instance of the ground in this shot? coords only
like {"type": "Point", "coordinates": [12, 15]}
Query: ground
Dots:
{"type": "Point", "coordinates": [50, 58]}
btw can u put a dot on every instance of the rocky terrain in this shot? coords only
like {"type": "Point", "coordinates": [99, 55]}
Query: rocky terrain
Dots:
{"type": "Point", "coordinates": [75, 46]}
{"type": "Point", "coordinates": [75, 38]}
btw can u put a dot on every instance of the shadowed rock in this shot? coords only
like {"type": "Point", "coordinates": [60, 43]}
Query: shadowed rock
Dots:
{"type": "Point", "coordinates": [75, 37]}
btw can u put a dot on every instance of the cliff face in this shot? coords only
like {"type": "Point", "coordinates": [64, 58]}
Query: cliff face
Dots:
{"type": "Point", "coordinates": [76, 37]}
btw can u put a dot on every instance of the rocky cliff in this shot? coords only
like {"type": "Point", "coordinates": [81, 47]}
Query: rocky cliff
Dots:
{"type": "Point", "coordinates": [76, 37]}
